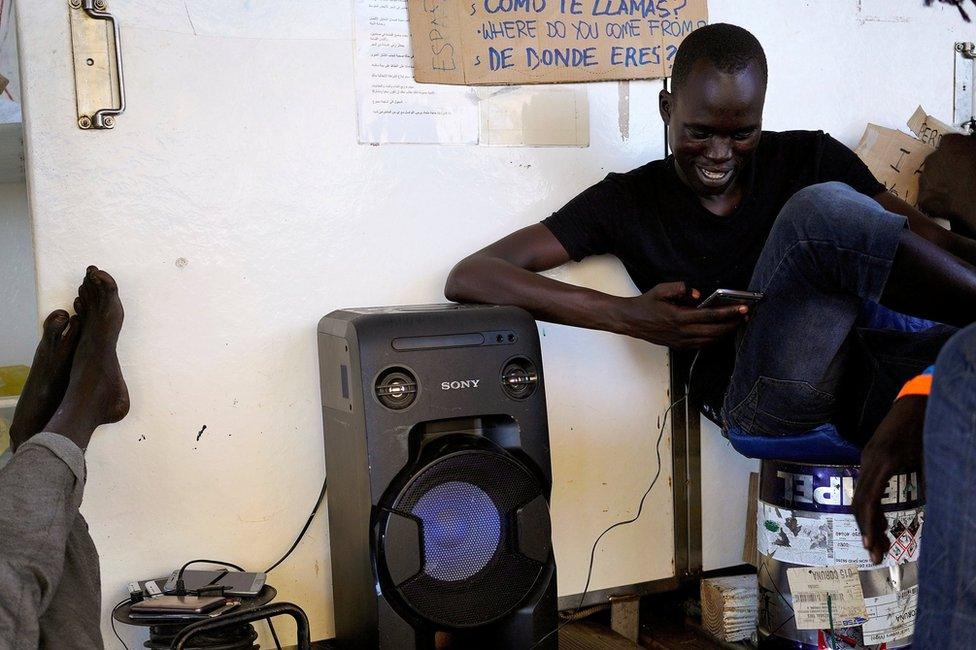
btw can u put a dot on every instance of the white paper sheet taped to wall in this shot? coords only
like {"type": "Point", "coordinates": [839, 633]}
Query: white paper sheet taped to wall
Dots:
{"type": "Point", "coordinates": [392, 107]}
{"type": "Point", "coordinates": [534, 116]}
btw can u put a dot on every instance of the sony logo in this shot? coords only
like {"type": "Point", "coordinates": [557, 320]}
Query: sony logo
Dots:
{"type": "Point", "coordinates": [455, 385]}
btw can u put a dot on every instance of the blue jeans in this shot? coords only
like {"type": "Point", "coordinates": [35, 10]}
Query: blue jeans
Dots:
{"type": "Point", "coordinates": [808, 357]}
{"type": "Point", "coordinates": [947, 571]}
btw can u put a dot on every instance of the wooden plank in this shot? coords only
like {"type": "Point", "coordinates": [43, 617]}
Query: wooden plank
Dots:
{"type": "Point", "coordinates": [625, 616]}
{"type": "Point", "coordinates": [749, 551]}
{"type": "Point", "coordinates": [587, 635]}
{"type": "Point", "coordinates": [579, 635]}
{"type": "Point", "coordinates": [316, 645]}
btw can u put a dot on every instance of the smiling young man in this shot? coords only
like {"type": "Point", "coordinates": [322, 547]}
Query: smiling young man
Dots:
{"type": "Point", "coordinates": [793, 214]}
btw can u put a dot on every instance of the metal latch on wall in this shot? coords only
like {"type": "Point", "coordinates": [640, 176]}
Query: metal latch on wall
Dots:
{"type": "Point", "coordinates": [97, 51]}
{"type": "Point", "coordinates": [964, 101]}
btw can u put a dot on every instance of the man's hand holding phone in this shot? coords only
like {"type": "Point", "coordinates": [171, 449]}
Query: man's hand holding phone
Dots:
{"type": "Point", "coordinates": [668, 315]}
{"type": "Point", "coordinates": [725, 297]}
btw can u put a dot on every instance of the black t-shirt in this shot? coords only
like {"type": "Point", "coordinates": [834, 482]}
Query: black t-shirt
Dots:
{"type": "Point", "coordinates": [658, 228]}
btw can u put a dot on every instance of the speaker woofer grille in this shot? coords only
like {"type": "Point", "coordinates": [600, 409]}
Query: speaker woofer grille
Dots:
{"type": "Point", "coordinates": [461, 528]}
{"type": "Point", "coordinates": [472, 571]}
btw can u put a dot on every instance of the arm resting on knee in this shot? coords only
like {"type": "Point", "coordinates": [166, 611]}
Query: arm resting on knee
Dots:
{"type": "Point", "coordinates": [962, 247]}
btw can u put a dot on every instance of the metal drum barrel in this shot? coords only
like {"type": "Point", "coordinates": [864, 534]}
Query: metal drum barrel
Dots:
{"type": "Point", "coordinates": [805, 518]}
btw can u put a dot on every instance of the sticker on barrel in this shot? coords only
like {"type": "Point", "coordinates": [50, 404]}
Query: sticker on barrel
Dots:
{"type": "Point", "coordinates": [826, 597]}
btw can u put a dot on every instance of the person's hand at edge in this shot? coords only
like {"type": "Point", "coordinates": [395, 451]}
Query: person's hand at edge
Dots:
{"type": "Point", "coordinates": [895, 447]}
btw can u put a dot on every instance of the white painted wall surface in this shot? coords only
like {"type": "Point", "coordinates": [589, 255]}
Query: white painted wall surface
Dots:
{"type": "Point", "coordinates": [237, 155]}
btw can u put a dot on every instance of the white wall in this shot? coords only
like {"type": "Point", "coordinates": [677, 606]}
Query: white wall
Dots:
{"type": "Point", "coordinates": [237, 155]}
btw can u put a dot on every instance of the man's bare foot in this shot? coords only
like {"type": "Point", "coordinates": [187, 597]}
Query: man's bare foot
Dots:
{"type": "Point", "coordinates": [48, 378]}
{"type": "Point", "coordinates": [96, 392]}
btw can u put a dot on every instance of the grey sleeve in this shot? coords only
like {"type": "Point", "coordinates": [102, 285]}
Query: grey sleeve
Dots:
{"type": "Point", "coordinates": [41, 488]}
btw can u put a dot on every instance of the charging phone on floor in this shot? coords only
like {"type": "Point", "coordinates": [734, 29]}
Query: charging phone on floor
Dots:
{"type": "Point", "coordinates": [236, 583]}
{"type": "Point", "coordinates": [729, 297]}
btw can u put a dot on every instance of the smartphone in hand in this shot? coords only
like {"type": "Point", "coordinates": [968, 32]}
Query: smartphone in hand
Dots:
{"type": "Point", "coordinates": [729, 297]}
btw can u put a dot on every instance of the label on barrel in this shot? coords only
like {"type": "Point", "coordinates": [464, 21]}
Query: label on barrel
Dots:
{"type": "Point", "coordinates": [827, 597]}
{"type": "Point", "coordinates": [811, 538]}
{"type": "Point", "coordinates": [892, 616]}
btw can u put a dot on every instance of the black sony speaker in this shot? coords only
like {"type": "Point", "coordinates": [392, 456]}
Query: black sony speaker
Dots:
{"type": "Point", "coordinates": [437, 452]}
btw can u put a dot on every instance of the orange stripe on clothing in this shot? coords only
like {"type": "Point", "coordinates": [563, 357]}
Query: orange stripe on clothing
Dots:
{"type": "Point", "coordinates": [921, 385]}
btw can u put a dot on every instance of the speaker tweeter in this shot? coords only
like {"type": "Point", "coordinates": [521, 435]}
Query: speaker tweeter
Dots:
{"type": "Point", "coordinates": [519, 378]}
{"type": "Point", "coordinates": [396, 388]}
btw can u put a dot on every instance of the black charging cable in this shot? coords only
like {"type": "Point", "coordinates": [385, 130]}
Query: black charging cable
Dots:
{"type": "Point", "coordinates": [180, 588]}
{"type": "Point", "coordinates": [112, 621]}
{"type": "Point", "coordinates": [180, 591]}
{"type": "Point", "coordinates": [311, 516]}
{"type": "Point", "coordinates": [308, 522]}
{"type": "Point", "coordinates": [640, 506]}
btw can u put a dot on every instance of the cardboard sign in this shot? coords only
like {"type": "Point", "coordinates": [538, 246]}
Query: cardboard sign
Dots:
{"type": "Point", "coordinates": [895, 159]}
{"type": "Point", "coordinates": [496, 42]}
{"type": "Point", "coordinates": [929, 129]}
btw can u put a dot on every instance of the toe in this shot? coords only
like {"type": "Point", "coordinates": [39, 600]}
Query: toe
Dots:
{"type": "Point", "coordinates": [55, 324]}
{"type": "Point", "coordinates": [87, 292]}
{"type": "Point", "coordinates": [104, 281]}
{"type": "Point", "coordinates": [79, 306]}
{"type": "Point", "coordinates": [93, 277]}
{"type": "Point", "coordinates": [71, 334]}
{"type": "Point", "coordinates": [89, 278]}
